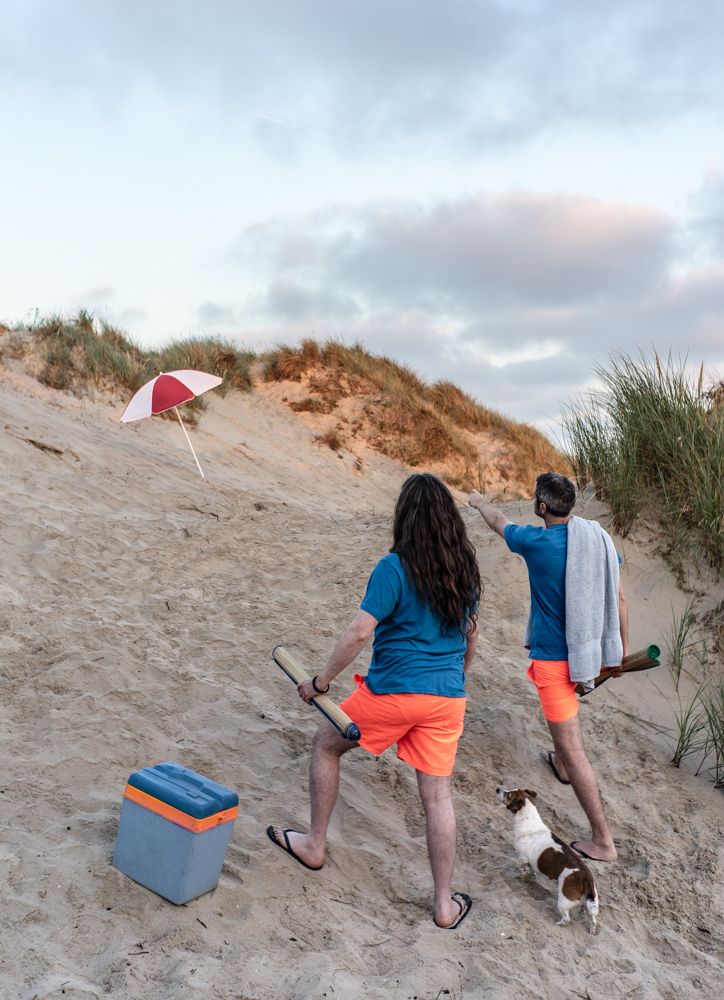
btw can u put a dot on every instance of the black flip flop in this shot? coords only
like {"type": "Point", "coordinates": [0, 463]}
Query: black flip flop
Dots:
{"type": "Point", "coordinates": [288, 849]}
{"type": "Point", "coordinates": [582, 854]}
{"type": "Point", "coordinates": [464, 910]}
{"type": "Point", "coordinates": [549, 759]}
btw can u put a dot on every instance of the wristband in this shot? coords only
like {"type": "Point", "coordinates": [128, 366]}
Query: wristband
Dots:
{"type": "Point", "coordinates": [314, 685]}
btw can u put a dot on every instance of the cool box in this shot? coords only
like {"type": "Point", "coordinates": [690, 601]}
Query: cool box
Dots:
{"type": "Point", "coordinates": [174, 830]}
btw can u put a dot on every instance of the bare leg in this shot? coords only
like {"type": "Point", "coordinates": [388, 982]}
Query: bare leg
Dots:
{"type": "Point", "coordinates": [329, 747]}
{"type": "Point", "coordinates": [441, 834]}
{"type": "Point", "coordinates": [572, 763]}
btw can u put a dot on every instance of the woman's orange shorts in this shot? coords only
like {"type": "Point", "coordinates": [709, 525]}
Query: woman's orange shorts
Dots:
{"type": "Point", "coordinates": [425, 727]}
{"type": "Point", "coordinates": [556, 690]}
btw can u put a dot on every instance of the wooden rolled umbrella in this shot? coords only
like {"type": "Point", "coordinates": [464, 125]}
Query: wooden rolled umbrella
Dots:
{"type": "Point", "coordinates": [644, 659]}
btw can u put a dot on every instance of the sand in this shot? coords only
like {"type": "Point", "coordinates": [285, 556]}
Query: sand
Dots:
{"type": "Point", "coordinates": [139, 607]}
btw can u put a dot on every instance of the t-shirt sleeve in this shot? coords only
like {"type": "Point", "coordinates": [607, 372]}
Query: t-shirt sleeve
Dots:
{"type": "Point", "coordinates": [514, 537]}
{"type": "Point", "coordinates": [384, 590]}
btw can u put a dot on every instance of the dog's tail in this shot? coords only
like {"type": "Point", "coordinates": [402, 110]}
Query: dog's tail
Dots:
{"type": "Point", "coordinates": [592, 908]}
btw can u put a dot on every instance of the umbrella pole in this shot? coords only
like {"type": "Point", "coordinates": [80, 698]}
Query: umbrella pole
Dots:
{"type": "Point", "coordinates": [175, 410]}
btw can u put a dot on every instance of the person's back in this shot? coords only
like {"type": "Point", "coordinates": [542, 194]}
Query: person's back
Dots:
{"type": "Point", "coordinates": [544, 550]}
{"type": "Point", "coordinates": [412, 652]}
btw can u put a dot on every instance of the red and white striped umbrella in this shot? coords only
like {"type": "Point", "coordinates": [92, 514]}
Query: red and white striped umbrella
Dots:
{"type": "Point", "coordinates": [167, 391]}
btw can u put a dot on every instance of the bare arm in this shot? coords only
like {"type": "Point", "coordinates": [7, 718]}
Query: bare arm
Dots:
{"type": "Point", "coordinates": [494, 518]}
{"type": "Point", "coordinates": [623, 617]}
{"type": "Point", "coordinates": [472, 643]}
{"type": "Point", "coordinates": [349, 645]}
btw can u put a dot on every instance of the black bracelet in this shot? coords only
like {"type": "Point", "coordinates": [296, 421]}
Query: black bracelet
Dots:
{"type": "Point", "coordinates": [314, 685]}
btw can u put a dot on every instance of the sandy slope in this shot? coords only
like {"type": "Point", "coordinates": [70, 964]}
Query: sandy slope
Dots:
{"type": "Point", "coordinates": [139, 606]}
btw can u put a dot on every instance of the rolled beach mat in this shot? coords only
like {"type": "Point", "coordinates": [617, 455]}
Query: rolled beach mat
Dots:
{"type": "Point", "coordinates": [644, 659]}
{"type": "Point", "coordinates": [339, 719]}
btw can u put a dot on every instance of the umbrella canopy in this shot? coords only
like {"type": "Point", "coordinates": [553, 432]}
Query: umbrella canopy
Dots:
{"type": "Point", "coordinates": [166, 391]}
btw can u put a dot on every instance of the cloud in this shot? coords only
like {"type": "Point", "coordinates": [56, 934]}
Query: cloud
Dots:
{"type": "Point", "coordinates": [477, 71]}
{"type": "Point", "coordinates": [512, 296]}
{"type": "Point", "coordinates": [458, 257]}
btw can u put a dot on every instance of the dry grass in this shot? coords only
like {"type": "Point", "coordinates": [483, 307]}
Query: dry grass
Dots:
{"type": "Point", "coordinates": [76, 354]}
{"type": "Point", "coordinates": [409, 419]}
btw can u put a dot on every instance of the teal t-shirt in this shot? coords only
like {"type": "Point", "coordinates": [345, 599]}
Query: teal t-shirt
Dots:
{"type": "Point", "coordinates": [545, 551]}
{"type": "Point", "coordinates": [410, 653]}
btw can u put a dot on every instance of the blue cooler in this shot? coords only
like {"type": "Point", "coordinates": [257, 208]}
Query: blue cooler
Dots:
{"type": "Point", "coordinates": [174, 830]}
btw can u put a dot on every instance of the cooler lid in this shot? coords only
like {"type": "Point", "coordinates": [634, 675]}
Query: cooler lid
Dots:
{"type": "Point", "coordinates": [184, 789]}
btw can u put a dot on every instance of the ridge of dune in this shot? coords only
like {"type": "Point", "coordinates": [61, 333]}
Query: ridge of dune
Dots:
{"type": "Point", "coordinates": [139, 607]}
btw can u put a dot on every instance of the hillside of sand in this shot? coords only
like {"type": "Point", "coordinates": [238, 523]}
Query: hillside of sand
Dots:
{"type": "Point", "coordinates": [139, 607]}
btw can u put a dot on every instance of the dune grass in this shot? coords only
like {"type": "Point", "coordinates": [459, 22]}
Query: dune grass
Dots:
{"type": "Point", "coordinates": [77, 353]}
{"type": "Point", "coordinates": [404, 416]}
{"type": "Point", "coordinates": [412, 420]}
{"type": "Point", "coordinates": [653, 438]}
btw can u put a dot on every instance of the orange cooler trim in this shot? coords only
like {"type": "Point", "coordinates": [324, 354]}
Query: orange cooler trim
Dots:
{"type": "Point", "coordinates": [176, 815]}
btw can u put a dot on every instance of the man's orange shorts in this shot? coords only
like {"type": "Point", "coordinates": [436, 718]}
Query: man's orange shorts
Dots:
{"type": "Point", "coordinates": [556, 690]}
{"type": "Point", "coordinates": [425, 727]}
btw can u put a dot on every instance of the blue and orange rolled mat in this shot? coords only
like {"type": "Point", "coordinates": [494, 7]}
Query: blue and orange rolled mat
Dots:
{"type": "Point", "coordinates": [339, 719]}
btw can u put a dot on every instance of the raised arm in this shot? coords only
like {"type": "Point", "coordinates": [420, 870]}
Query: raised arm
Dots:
{"type": "Point", "coordinates": [349, 645]}
{"type": "Point", "coordinates": [494, 518]}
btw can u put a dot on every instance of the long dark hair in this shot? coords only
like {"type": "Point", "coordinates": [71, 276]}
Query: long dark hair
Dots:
{"type": "Point", "coordinates": [430, 538]}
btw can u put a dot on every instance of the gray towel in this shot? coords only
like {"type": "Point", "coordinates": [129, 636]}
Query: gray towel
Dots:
{"type": "Point", "coordinates": [593, 634]}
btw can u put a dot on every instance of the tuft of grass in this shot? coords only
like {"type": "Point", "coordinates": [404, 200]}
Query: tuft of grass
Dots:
{"type": "Point", "coordinates": [692, 733]}
{"type": "Point", "coordinates": [409, 419]}
{"type": "Point", "coordinates": [652, 437]}
{"type": "Point", "coordinates": [77, 353]}
{"type": "Point", "coordinates": [713, 703]}
{"type": "Point", "coordinates": [331, 438]}
{"type": "Point", "coordinates": [678, 644]}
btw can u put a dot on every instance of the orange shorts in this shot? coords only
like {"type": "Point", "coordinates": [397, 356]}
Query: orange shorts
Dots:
{"type": "Point", "coordinates": [556, 690]}
{"type": "Point", "coordinates": [425, 727]}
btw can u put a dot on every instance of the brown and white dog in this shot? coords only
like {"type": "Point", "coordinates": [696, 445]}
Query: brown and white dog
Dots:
{"type": "Point", "coordinates": [549, 859]}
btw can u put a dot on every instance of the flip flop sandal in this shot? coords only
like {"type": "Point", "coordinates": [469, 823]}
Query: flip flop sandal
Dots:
{"type": "Point", "coordinates": [288, 849]}
{"type": "Point", "coordinates": [464, 910]}
{"type": "Point", "coordinates": [582, 853]}
{"type": "Point", "coordinates": [549, 759]}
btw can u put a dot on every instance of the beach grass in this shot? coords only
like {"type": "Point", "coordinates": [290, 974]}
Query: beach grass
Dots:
{"type": "Point", "coordinates": [405, 417]}
{"type": "Point", "coordinates": [652, 438]}
{"type": "Point", "coordinates": [411, 419]}
{"type": "Point", "coordinates": [76, 353]}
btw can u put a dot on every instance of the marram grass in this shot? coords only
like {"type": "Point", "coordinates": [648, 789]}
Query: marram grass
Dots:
{"type": "Point", "coordinates": [652, 437]}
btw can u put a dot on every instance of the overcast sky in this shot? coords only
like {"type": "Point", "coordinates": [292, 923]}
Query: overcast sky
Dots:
{"type": "Point", "coordinates": [496, 191]}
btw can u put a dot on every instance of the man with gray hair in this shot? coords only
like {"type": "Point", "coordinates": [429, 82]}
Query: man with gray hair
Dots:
{"type": "Point", "coordinates": [578, 623]}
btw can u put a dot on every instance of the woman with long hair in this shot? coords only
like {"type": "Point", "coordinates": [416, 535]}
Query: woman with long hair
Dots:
{"type": "Point", "coordinates": [421, 604]}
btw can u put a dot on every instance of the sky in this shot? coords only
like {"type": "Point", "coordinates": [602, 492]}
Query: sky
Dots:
{"type": "Point", "coordinates": [498, 192]}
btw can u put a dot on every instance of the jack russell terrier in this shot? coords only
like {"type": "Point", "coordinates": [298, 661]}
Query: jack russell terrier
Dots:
{"type": "Point", "coordinates": [548, 857]}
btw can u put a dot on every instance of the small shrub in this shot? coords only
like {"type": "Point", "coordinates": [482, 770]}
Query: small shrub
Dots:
{"type": "Point", "coordinates": [331, 438]}
{"type": "Point", "coordinates": [310, 405]}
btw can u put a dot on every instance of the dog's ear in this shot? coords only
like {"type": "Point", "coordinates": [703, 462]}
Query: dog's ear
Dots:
{"type": "Point", "coordinates": [516, 802]}
{"type": "Point", "coordinates": [530, 793]}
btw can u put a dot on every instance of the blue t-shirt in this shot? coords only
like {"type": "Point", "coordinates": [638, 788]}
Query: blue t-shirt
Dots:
{"type": "Point", "coordinates": [544, 551]}
{"type": "Point", "coordinates": [410, 653]}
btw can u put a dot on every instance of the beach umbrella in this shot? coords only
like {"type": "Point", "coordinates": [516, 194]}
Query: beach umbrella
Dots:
{"type": "Point", "coordinates": [167, 391]}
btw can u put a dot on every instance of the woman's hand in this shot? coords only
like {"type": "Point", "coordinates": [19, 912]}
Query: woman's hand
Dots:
{"type": "Point", "coordinates": [306, 691]}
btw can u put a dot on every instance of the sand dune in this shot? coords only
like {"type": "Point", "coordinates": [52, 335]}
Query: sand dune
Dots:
{"type": "Point", "coordinates": [139, 607]}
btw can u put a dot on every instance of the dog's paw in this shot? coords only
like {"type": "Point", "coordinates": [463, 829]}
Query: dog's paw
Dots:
{"type": "Point", "coordinates": [565, 919]}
